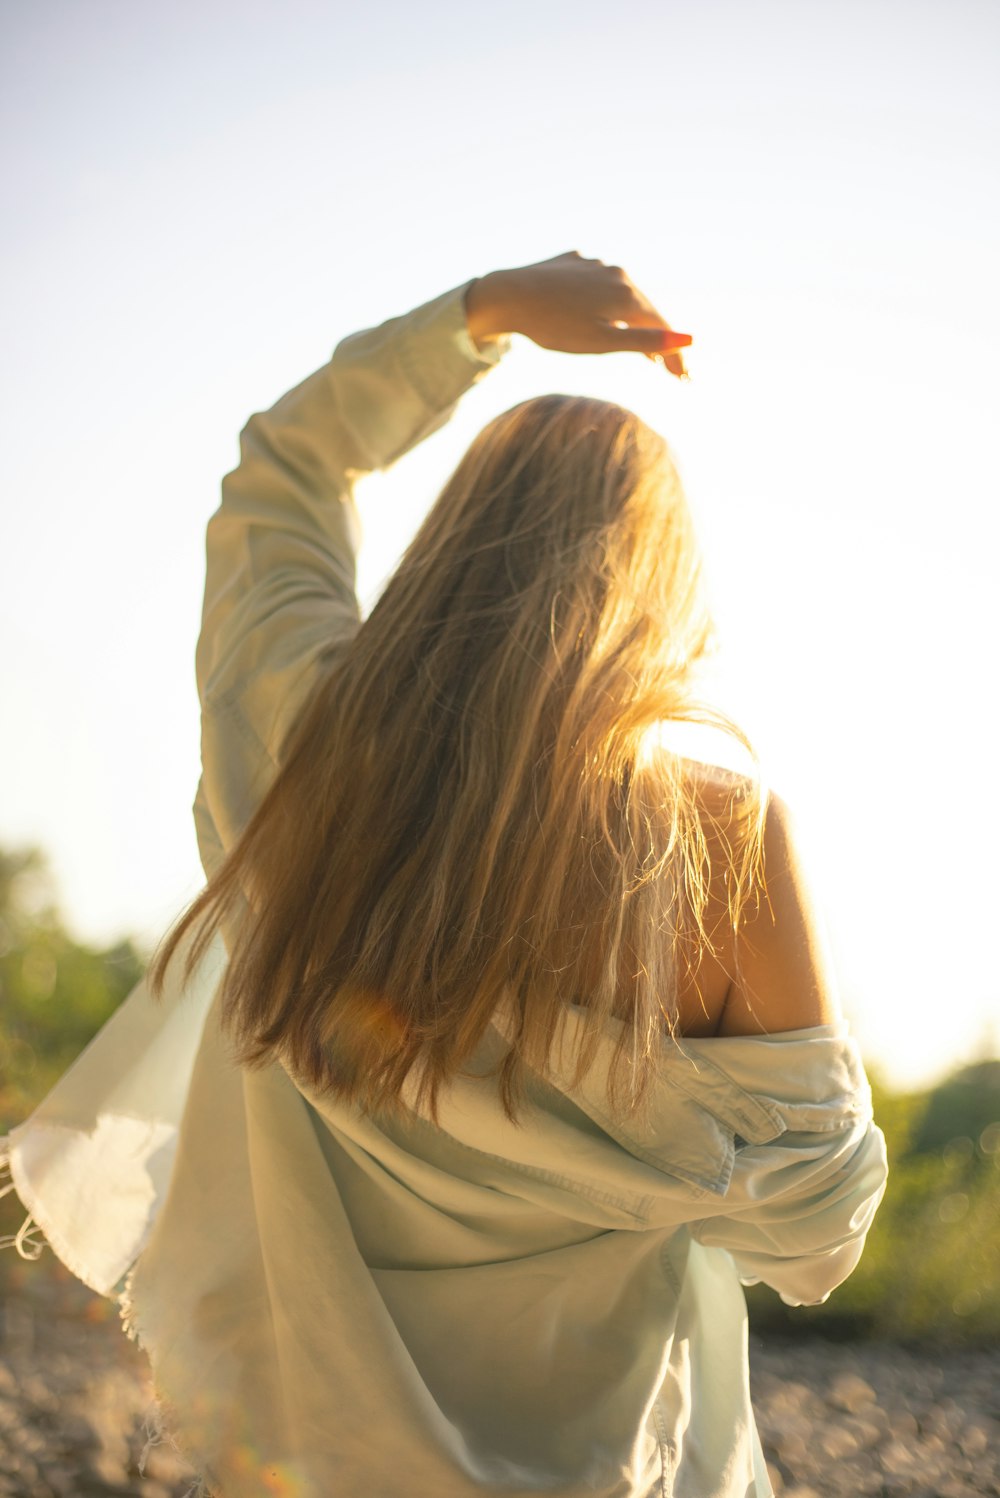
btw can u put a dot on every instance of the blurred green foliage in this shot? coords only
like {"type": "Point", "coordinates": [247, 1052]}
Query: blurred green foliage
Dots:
{"type": "Point", "coordinates": [931, 1267]}
{"type": "Point", "coordinates": [55, 993]}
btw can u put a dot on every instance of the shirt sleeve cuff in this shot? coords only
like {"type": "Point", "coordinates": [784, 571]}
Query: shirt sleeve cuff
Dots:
{"type": "Point", "coordinates": [491, 354]}
{"type": "Point", "coordinates": [437, 352]}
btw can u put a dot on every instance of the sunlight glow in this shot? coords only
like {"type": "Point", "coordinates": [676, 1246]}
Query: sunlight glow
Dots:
{"type": "Point", "coordinates": [833, 255]}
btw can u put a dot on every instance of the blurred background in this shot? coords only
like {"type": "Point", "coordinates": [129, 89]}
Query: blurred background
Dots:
{"type": "Point", "coordinates": [202, 199]}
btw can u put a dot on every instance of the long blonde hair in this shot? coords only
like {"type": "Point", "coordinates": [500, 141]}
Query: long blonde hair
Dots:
{"type": "Point", "coordinates": [465, 811]}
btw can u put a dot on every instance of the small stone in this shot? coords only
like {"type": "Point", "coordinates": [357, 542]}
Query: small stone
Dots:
{"type": "Point", "coordinates": [837, 1442]}
{"type": "Point", "coordinates": [863, 1482]}
{"type": "Point", "coordinates": [108, 1469]}
{"type": "Point", "coordinates": [791, 1395]}
{"type": "Point", "coordinates": [851, 1392]}
{"type": "Point", "coordinates": [165, 1464]}
{"type": "Point", "coordinates": [792, 1448]}
{"type": "Point", "coordinates": [865, 1432]}
{"type": "Point", "coordinates": [34, 1441]}
{"type": "Point", "coordinates": [903, 1425]}
{"type": "Point", "coordinates": [897, 1458]}
{"type": "Point", "coordinates": [76, 1433]}
{"type": "Point", "coordinates": [38, 1394]}
{"type": "Point", "coordinates": [63, 1482]}
{"type": "Point", "coordinates": [776, 1477]}
{"type": "Point", "coordinates": [974, 1440]}
{"type": "Point", "coordinates": [20, 1467]}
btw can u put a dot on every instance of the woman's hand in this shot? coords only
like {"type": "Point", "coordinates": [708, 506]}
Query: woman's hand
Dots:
{"type": "Point", "coordinates": [574, 306]}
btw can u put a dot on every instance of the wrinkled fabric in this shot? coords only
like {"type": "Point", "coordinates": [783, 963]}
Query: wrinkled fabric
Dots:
{"type": "Point", "coordinates": [338, 1305]}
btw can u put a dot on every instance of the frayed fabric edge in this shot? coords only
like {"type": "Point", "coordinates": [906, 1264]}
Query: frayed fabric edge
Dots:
{"type": "Point", "coordinates": [37, 1233]}
{"type": "Point", "coordinates": [161, 1421]}
{"type": "Point", "coordinates": [126, 1310]}
{"type": "Point", "coordinates": [29, 1240]}
{"type": "Point", "coordinates": [154, 1428]}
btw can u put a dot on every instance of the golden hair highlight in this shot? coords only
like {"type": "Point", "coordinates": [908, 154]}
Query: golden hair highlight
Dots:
{"type": "Point", "coordinates": [466, 812]}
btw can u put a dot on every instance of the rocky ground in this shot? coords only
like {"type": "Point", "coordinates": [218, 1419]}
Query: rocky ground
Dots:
{"type": "Point", "coordinates": [837, 1421]}
{"type": "Point", "coordinates": [845, 1420]}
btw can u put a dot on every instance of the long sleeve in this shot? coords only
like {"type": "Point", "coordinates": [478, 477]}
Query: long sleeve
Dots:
{"type": "Point", "coordinates": [799, 1205]}
{"type": "Point", "coordinates": [280, 580]}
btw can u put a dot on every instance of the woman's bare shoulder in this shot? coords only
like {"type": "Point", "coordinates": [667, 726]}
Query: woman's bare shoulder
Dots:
{"type": "Point", "coordinates": [779, 963]}
{"type": "Point", "coordinates": [725, 802]}
{"type": "Point", "coordinates": [784, 975]}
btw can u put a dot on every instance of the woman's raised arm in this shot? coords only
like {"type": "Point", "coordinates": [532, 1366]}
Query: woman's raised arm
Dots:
{"type": "Point", "coordinates": [281, 548]}
{"type": "Point", "coordinates": [280, 589]}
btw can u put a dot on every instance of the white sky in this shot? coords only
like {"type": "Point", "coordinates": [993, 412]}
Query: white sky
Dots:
{"type": "Point", "coordinates": [201, 199]}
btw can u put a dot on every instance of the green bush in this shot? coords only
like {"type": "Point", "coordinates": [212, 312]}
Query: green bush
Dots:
{"type": "Point", "coordinates": [55, 993]}
{"type": "Point", "coordinates": [930, 1270]}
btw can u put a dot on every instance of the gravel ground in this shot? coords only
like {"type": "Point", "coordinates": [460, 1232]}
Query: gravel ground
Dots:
{"type": "Point", "coordinates": [842, 1420]}
{"type": "Point", "coordinates": [837, 1421]}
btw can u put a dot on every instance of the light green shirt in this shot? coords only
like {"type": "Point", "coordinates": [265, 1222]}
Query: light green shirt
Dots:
{"type": "Point", "coordinates": [335, 1306]}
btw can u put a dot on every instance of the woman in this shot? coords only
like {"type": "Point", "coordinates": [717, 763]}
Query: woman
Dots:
{"type": "Point", "coordinates": [442, 1171]}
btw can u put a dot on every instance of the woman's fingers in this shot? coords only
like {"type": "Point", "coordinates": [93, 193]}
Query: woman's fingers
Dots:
{"type": "Point", "coordinates": [642, 314]}
{"type": "Point", "coordinates": [675, 365]}
{"type": "Point", "coordinates": [633, 324]}
{"type": "Point", "coordinates": [617, 337]}
{"type": "Point", "coordinates": [662, 345]}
